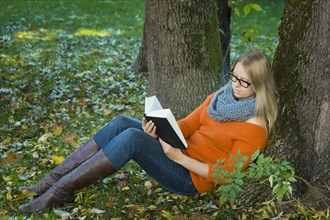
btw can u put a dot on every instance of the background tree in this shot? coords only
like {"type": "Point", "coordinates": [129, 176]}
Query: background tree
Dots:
{"type": "Point", "coordinates": [181, 52]}
{"type": "Point", "coordinates": [301, 67]}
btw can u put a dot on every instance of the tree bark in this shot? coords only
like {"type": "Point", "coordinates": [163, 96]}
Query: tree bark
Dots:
{"type": "Point", "coordinates": [301, 67]}
{"type": "Point", "coordinates": [224, 15]}
{"type": "Point", "coordinates": [181, 52]}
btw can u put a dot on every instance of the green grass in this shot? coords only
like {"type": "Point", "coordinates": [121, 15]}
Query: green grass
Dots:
{"type": "Point", "coordinates": [64, 73]}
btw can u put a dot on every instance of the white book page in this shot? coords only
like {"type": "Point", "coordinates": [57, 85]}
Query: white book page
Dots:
{"type": "Point", "coordinates": [160, 113]}
{"type": "Point", "coordinates": [152, 104]}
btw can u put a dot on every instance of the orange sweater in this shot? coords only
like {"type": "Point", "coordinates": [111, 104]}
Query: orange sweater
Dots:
{"type": "Point", "coordinates": [210, 140]}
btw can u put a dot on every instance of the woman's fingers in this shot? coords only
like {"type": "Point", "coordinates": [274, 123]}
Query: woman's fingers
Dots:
{"type": "Point", "coordinates": [149, 128]}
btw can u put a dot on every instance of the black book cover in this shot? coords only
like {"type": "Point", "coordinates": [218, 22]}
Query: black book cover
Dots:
{"type": "Point", "coordinates": [166, 132]}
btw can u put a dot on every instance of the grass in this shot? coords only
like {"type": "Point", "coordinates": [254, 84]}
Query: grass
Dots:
{"type": "Point", "coordinates": [65, 72]}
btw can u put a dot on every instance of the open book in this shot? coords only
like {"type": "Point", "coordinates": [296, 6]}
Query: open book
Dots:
{"type": "Point", "coordinates": [166, 125]}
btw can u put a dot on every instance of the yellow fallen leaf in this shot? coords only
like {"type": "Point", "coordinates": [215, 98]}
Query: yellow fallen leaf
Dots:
{"type": "Point", "coordinates": [148, 184]}
{"type": "Point", "coordinates": [8, 196]}
{"type": "Point", "coordinates": [3, 212]}
{"type": "Point", "coordinates": [44, 137]}
{"type": "Point", "coordinates": [166, 214]}
{"type": "Point", "coordinates": [57, 159]}
{"type": "Point", "coordinates": [7, 140]}
{"type": "Point", "coordinates": [152, 207]}
{"type": "Point", "coordinates": [6, 178]}
{"type": "Point", "coordinates": [24, 194]}
{"type": "Point", "coordinates": [57, 130]}
{"type": "Point", "coordinates": [25, 127]}
{"type": "Point", "coordinates": [125, 188]}
{"type": "Point", "coordinates": [86, 114]}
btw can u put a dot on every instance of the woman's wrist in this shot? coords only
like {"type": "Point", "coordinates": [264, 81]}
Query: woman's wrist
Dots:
{"type": "Point", "coordinates": [182, 160]}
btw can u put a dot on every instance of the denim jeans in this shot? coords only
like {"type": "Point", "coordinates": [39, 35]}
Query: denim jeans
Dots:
{"type": "Point", "coordinates": [123, 139]}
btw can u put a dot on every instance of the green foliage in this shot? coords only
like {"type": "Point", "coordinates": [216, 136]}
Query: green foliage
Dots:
{"type": "Point", "coordinates": [277, 174]}
{"type": "Point", "coordinates": [261, 32]}
{"type": "Point", "coordinates": [280, 175]}
{"type": "Point", "coordinates": [247, 7]}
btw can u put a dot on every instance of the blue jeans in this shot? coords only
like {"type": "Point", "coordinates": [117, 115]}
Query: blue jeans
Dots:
{"type": "Point", "coordinates": [123, 139]}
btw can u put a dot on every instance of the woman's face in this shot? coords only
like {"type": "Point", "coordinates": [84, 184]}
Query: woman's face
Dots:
{"type": "Point", "coordinates": [239, 91]}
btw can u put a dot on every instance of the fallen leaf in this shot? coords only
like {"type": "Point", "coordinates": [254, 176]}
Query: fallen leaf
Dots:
{"type": "Point", "coordinates": [148, 184]}
{"type": "Point", "coordinates": [9, 196]}
{"type": "Point", "coordinates": [111, 204]}
{"type": "Point", "coordinates": [96, 211]}
{"type": "Point", "coordinates": [24, 194]}
{"type": "Point", "coordinates": [166, 214]}
{"type": "Point", "coordinates": [132, 210]}
{"type": "Point", "coordinates": [57, 159]}
{"type": "Point", "coordinates": [57, 129]}
{"type": "Point", "coordinates": [125, 188]}
{"type": "Point", "coordinates": [25, 127]}
{"type": "Point", "coordinates": [35, 155]}
{"type": "Point", "coordinates": [21, 170]}
{"type": "Point", "coordinates": [11, 158]}
{"type": "Point", "coordinates": [62, 214]}
{"type": "Point", "coordinates": [107, 112]}
{"type": "Point", "coordinates": [69, 138]}
{"type": "Point", "coordinates": [6, 178]}
{"type": "Point", "coordinates": [86, 114]}
{"type": "Point", "coordinates": [152, 207]}
{"type": "Point", "coordinates": [83, 102]}
{"type": "Point", "coordinates": [44, 137]}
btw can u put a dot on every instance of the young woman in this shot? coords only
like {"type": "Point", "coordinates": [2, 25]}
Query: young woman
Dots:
{"type": "Point", "coordinates": [238, 117]}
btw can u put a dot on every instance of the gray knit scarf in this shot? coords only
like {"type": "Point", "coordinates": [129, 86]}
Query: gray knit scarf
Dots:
{"type": "Point", "coordinates": [224, 107]}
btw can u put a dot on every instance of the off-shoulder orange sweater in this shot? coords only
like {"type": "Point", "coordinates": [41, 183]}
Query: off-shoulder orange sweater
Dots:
{"type": "Point", "coordinates": [210, 140]}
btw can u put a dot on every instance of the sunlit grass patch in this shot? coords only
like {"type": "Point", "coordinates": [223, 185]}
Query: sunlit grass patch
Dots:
{"type": "Point", "coordinates": [41, 34]}
{"type": "Point", "coordinates": [94, 32]}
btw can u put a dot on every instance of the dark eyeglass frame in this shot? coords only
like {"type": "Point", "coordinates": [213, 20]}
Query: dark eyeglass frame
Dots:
{"type": "Point", "coordinates": [242, 82]}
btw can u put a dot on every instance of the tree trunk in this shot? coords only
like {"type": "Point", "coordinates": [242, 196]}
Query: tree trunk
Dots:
{"type": "Point", "coordinates": [224, 15]}
{"type": "Point", "coordinates": [302, 67]}
{"type": "Point", "coordinates": [181, 52]}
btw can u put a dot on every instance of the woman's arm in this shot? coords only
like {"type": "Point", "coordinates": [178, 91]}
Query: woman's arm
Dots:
{"type": "Point", "coordinates": [189, 163]}
{"type": "Point", "coordinates": [191, 122]}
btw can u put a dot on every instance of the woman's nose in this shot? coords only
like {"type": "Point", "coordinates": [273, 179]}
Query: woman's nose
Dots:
{"type": "Point", "coordinates": [237, 84]}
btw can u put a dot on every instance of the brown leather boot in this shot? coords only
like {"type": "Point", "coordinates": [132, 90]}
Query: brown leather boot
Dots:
{"type": "Point", "coordinates": [92, 170]}
{"type": "Point", "coordinates": [76, 158]}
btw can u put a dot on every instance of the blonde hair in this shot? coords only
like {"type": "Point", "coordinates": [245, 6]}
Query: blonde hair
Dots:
{"type": "Point", "coordinates": [258, 68]}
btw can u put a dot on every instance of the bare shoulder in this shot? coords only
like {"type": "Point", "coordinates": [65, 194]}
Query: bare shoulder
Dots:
{"type": "Point", "coordinates": [257, 121]}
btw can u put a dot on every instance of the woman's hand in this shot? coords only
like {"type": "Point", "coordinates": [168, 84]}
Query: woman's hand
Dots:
{"type": "Point", "coordinates": [174, 154]}
{"type": "Point", "coordinates": [149, 128]}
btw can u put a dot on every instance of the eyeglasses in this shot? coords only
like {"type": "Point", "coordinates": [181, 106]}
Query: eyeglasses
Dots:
{"type": "Point", "coordinates": [242, 82]}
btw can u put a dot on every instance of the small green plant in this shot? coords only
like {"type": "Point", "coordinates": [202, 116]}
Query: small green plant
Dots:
{"type": "Point", "coordinates": [279, 175]}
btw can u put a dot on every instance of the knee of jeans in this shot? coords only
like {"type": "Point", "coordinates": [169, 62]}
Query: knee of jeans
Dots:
{"type": "Point", "coordinates": [133, 133]}
{"type": "Point", "coordinates": [134, 136]}
{"type": "Point", "coordinates": [121, 118]}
